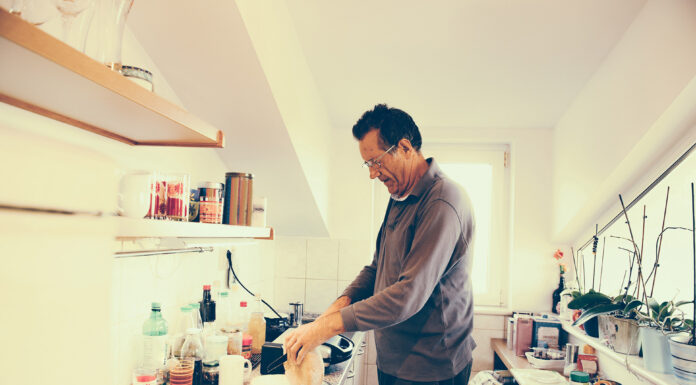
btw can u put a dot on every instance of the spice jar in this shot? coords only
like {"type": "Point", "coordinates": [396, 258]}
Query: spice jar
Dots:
{"type": "Point", "coordinates": [210, 202]}
{"type": "Point", "coordinates": [246, 346]}
{"type": "Point", "coordinates": [211, 373]}
{"type": "Point", "coordinates": [234, 342]}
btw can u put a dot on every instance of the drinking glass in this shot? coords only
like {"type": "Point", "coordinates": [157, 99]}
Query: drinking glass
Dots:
{"type": "Point", "coordinates": [36, 12]}
{"type": "Point", "coordinates": [70, 10]}
{"type": "Point", "coordinates": [181, 371]}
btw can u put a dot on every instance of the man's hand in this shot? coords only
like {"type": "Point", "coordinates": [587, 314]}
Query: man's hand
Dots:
{"type": "Point", "coordinates": [307, 337]}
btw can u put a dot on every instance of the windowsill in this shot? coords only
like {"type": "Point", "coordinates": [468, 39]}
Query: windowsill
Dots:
{"type": "Point", "coordinates": [492, 310]}
{"type": "Point", "coordinates": [635, 363]}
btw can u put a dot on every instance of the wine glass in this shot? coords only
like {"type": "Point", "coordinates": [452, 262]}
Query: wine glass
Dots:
{"type": "Point", "coordinates": [69, 10]}
{"type": "Point", "coordinates": [36, 12]}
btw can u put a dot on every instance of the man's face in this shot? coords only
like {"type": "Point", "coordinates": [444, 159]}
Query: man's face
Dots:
{"type": "Point", "coordinates": [391, 171]}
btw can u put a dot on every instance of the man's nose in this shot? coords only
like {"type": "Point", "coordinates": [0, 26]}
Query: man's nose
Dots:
{"type": "Point", "coordinates": [374, 171]}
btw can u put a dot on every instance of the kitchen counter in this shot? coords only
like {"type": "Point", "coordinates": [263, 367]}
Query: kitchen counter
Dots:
{"type": "Point", "coordinates": [335, 374]}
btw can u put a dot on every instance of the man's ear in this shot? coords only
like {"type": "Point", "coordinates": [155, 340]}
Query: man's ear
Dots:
{"type": "Point", "coordinates": [405, 146]}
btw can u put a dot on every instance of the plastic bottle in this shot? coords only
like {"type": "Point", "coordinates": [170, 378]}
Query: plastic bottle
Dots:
{"type": "Point", "coordinates": [155, 339]}
{"type": "Point", "coordinates": [257, 327]}
{"type": "Point", "coordinates": [196, 314]}
{"type": "Point", "coordinates": [193, 348]}
{"type": "Point", "coordinates": [241, 317]}
{"type": "Point", "coordinates": [183, 322]}
{"type": "Point", "coordinates": [223, 312]}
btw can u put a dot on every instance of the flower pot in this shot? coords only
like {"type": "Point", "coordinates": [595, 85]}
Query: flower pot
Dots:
{"type": "Point", "coordinates": [591, 327]}
{"type": "Point", "coordinates": [656, 352]}
{"type": "Point", "coordinates": [621, 334]}
{"type": "Point", "coordinates": [683, 358]}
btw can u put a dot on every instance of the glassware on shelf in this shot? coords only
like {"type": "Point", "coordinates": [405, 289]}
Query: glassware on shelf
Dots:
{"type": "Point", "coordinates": [158, 197]}
{"type": "Point", "coordinates": [178, 186]}
{"type": "Point", "coordinates": [36, 12]}
{"type": "Point", "coordinates": [193, 349]}
{"type": "Point", "coordinates": [74, 28]}
{"type": "Point", "coordinates": [106, 41]}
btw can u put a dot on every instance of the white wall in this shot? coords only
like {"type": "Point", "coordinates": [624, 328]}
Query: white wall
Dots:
{"type": "Point", "coordinates": [625, 101]}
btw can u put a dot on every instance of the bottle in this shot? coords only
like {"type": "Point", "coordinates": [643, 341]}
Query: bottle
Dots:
{"type": "Point", "coordinates": [223, 312]}
{"type": "Point", "coordinates": [556, 296]}
{"type": "Point", "coordinates": [207, 306]}
{"type": "Point", "coordinates": [257, 327]}
{"type": "Point", "coordinates": [196, 314]}
{"type": "Point", "coordinates": [184, 322]}
{"type": "Point", "coordinates": [155, 339]}
{"type": "Point", "coordinates": [193, 348]}
{"type": "Point", "coordinates": [242, 317]}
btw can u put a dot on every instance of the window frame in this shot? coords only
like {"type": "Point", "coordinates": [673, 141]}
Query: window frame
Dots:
{"type": "Point", "coordinates": [498, 157]}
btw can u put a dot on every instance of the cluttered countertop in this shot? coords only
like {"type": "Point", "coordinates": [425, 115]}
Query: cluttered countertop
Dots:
{"type": "Point", "coordinates": [334, 374]}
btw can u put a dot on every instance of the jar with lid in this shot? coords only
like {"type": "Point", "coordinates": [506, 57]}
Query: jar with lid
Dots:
{"type": "Point", "coordinates": [257, 327]}
{"type": "Point", "coordinates": [579, 378]}
{"type": "Point", "coordinates": [246, 346]}
{"type": "Point", "coordinates": [210, 202]}
{"type": "Point", "coordinates": [211, 373]}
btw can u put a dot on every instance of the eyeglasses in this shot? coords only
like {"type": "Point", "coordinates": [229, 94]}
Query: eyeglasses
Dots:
{"type": "Point", "coordinates": [375, 162]}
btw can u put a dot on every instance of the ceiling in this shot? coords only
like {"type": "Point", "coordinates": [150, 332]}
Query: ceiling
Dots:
{"type": "Point", "coordinates": [450, 64]}
{"type": "Point", "coordinates": [454, 63]}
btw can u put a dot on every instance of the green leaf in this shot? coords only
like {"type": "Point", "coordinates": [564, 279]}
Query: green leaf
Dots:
{"type": "Point", "coordinates": [653, 305]}
{"type": "Point", "coordinates": [632, 305]}
{"type": "Point", "coordinates": [682, 303]}
{"type": "Point", "coordinates": [597, 310]}
{"type": "Point", "coordinates": [589, 300]}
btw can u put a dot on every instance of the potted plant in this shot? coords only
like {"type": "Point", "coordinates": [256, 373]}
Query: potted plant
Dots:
{"type": "Point", "coordinates": [617, 318]}
{"type": "Point", "coordinates": [660, 321]}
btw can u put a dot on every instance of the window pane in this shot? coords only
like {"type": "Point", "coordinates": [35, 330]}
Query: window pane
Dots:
{"type": "Point", "coordinates": [477, 180]}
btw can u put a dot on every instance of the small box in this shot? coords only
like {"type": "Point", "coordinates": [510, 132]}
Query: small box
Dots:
{"type": "Point", "coordinates": [547, 330]}
{"type": "Point", "coordinates": [523, 338]}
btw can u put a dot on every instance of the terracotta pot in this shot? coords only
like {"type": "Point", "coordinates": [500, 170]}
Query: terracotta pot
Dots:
{"type": "Point", "coordinates": [622, 335]}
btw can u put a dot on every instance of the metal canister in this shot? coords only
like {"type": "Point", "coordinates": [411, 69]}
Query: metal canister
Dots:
{"type": "Point", "coordinates": [571, 354]}
{"type": "Point", "coordinates": [238, 199]}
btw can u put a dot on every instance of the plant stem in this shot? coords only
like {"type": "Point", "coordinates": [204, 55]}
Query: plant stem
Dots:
{"type": "Point", "coordinates": [622, 282]}
{"type": "Point", "coordinates": [659, 248]}
{"type": "Point", "coordinates": [635, 246]}
{"type": "Point", "coordinates": [601, 269]}
{"type": "Point", "coordinates": [640, 261]}
{"type": "Point", "coordinates": [575, 266]}
{"type": "Point", "coordinates": [693, 240]}
{"type": "Point", "coordinates": [594, 253]}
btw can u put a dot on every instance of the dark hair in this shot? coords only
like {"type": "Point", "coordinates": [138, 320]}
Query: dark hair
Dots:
{"type": "Point", "coordinates": [393, 125]}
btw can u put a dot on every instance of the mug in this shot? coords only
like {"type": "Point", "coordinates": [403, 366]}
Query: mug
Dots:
{"type": "Point", "coordinates": [234, 370]}
{"type": "Point", "coordinates": [134, 194]}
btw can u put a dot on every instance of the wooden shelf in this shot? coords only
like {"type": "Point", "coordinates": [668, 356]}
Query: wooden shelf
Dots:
{"type": "Point", "coordinates": [507, 356]}
{"type": "Point", "coordinates": [150, 228]}
{"type": "Point", "coordinates": [41, 74]}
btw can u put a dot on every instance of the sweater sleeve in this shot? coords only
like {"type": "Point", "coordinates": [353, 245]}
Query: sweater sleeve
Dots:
{"type": "Point", "coordinates": [433, 244]}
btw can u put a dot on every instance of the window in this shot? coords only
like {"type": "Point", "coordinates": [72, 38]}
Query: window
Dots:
{"type": "Point", "coordinates": [482, 172]}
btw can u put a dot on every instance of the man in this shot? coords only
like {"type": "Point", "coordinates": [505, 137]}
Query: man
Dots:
{"type": "Point", "coordinates": [416, 295]}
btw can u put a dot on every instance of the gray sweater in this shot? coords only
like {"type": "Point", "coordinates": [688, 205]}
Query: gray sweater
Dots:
{"type": "Point", "coordinates": [417, 293]}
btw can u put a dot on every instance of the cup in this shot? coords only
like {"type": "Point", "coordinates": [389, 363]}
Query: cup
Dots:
{"type": "Point", "coordinates": [134, 194]}
{"type": "Point", "coordinates": [215, 347]}
{"type": "Point", "coordinates": [145, 376]}
{"type": "Point", "coordinates": [181, 372]}
{"type": "Point", "coordinates": [233, 370]}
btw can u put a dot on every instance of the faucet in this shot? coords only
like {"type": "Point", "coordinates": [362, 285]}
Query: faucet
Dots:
{"type": "Point", "coordinates": [297, 314]}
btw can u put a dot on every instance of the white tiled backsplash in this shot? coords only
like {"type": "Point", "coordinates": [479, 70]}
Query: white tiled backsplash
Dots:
{"type": "Point", "coordinates": [316, 270]}
{"type": "Point", "coordinates": [174, 280]}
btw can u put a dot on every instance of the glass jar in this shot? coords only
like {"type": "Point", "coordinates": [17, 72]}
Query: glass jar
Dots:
{"type": "Point", "coordinates": [234, 342]}
{"type": "Point", "coordinates": [211, 373]}
{"type": "Point", "coordinates": [178, 197]}
{"type": "Point", "coordinates": [210, 202]}
{"type": "Point", "coordinates": [158, 197]}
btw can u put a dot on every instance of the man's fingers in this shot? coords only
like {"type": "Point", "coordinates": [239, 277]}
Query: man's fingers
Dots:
{"type": "Point", "coordinates": [301, 355]}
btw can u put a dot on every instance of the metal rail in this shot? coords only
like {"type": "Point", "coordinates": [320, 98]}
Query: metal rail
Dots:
{"type": "Point", "coordinates": [128, 254]}
{"type": "Point", "coordinates": [643, 193]}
